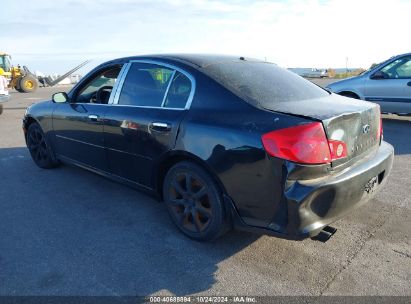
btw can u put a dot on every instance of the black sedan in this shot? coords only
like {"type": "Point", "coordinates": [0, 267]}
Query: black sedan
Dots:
{"type": "Point", "coordinates": [223, 141]}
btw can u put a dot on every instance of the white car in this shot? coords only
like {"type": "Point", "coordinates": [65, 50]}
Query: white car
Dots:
{"type": "Point", "coordinates": [3, 98]}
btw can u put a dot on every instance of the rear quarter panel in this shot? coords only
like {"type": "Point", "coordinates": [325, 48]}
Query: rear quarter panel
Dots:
{"type": "Point", "coordinates": [225, 132]}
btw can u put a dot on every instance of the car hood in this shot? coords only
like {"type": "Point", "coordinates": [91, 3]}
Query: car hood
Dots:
{"type": "Point", "coordinates": [344, 82]}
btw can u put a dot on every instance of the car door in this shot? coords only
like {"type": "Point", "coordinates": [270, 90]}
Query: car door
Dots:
{"type": "Point", "coordinates": [142, 124]}
{"type": "Point", "coordinates": [390, 86]}
{"type": "Point", "coordinates": [78, 123]}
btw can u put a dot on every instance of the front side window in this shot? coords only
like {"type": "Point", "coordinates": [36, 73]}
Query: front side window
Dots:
{"type": "Point", "coordinates": [2, 63]}
{"type": "Point", "coordinates": [99, 88]}
{"type": "Point", "coordinates": [404, 70]}
{"type": "Point", "coordinates": [5, 63]}
{"type": "Point", "coordinates": [151, 85]}
{"type": "Point", "coordinates": [400, 68]}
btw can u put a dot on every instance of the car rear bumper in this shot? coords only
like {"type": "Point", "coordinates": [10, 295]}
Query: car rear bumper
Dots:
{"type": "Point", "coordinates": [314, 204]}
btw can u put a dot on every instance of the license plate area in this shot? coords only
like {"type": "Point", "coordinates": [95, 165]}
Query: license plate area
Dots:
{"type": "Point", "coordinates": [373, 183]}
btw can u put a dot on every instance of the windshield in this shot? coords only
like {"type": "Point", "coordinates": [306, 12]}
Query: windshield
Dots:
{"type": "Point", "coordinates": [262, 83]}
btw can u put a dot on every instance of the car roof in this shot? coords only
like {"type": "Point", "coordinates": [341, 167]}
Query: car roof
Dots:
{"type": "Point", "coordinates": [401, 55]}
{"type": "Point", "coordinates": [196, 60]}
{"type": "Point", "coordinates": [391, 59]}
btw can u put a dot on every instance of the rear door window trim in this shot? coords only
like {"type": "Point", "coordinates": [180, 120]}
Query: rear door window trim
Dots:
{"type": "Point", "coordinates": [119, 83]}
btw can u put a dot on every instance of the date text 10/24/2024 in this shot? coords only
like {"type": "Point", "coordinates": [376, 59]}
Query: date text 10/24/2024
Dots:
{"type": "Point", "coordinates": [201, 299]}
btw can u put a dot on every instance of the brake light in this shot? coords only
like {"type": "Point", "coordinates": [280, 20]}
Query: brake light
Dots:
{"type": "Point", "coordinates": [380, 131]}
{"type": "Point", "coordinates": [306, 144]}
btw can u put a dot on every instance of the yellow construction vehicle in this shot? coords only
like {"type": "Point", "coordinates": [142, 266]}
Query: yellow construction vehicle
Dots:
{"type": "Point", "coordinates": [21, 79]}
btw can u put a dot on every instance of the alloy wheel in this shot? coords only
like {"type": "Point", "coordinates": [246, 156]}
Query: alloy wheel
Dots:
{"type": "Point", "coordinates": [37, 145]}
{"type": "Point", "coordinates": [189, 201]}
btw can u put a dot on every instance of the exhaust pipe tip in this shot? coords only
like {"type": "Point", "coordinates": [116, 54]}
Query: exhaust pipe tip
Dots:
{"type": "Point", "coordinates": [325, 234]}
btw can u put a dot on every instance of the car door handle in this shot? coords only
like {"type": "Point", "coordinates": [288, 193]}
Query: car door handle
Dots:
{"type": "Point", "coordinates": [409, 84]}
{"type": "Point", "coordinates": [93, 117]}
{"type": "Point", "coordinates": [160, 126]}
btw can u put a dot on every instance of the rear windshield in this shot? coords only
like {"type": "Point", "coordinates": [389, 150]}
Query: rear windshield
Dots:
{"type": "Point", "coordinates": [263, 83]}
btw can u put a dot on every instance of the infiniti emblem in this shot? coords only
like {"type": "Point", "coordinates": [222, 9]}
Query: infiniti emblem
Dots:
{"type": "Point", "coordinates": [365, 129]}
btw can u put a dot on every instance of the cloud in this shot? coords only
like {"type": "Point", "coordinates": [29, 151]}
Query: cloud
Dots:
{"type": "Point", "coordinates": [312, 33]}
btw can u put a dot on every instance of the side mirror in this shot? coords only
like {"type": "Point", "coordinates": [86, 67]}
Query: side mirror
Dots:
{"type": "Point", "coordinates": [379, 75]}
{"type": "Point", "coordinates": [60, 97]}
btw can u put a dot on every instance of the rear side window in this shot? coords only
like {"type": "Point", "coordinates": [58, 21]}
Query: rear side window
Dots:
{"type": "Point", "coordinates": [145, 85]}
{"type": "Point", "coordinates": [152, 85]}
{"type": "Point", "coordinates": [263, 83]}
{"type": "Point", "coordinates": [178, 92]}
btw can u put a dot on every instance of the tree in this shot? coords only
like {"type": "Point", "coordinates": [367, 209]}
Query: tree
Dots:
{"type": "Point", "coordinates": [331, 72]}
{"type": "Point", "coordinates": [373, 65]}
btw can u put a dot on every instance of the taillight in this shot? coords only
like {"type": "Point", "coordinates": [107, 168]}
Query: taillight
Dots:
{"type": "Point", "coordinates": [380, 132]}
{"type": "Point", "coordinates": [306, 144]}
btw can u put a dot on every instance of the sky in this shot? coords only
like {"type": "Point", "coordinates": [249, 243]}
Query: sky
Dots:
{"type": "Point", "coordinates": [53, 36]}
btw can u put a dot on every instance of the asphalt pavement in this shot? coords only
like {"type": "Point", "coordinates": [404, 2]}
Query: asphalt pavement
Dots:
{"type": "Point", "coordinates": [67, 231]}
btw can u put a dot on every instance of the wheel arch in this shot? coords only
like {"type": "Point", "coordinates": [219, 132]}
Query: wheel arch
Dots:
{"type": "Point", "coordinates": [29, 120]}
{"type": "Point", "coordinates": [173, 157]}
{"type": "Point", "coordinates": [350, 93]}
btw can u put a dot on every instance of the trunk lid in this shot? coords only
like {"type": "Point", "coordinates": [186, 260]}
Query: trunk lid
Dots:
{"type": "Point", "coordinates": [354, 122]}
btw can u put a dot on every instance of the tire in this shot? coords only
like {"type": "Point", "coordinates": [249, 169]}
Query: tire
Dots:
{"type": "Point", "coordinates": [194, 202]}
{"type": "Point", "coordinates": [17, 87]}
{"type": "Point", "coordinates": [39, 148]}
{"type": "Point", "coordinates": [1, 109]}
{"type": "Point", "coordinates": [28, 84]}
